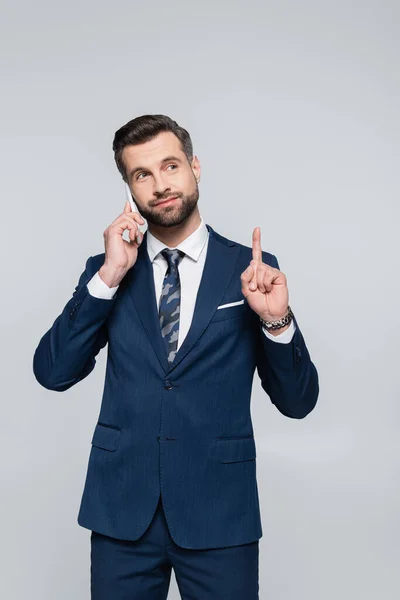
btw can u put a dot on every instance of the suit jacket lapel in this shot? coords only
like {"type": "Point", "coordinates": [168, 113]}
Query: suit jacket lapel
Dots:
{"type": "Point", "coordinates": [222, 255]}
{"type": "Point", "coordinates": [140, 284]}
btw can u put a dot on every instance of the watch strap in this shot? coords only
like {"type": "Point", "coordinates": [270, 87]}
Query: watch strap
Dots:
{"type": "Point", "coordinates": [278, 324]}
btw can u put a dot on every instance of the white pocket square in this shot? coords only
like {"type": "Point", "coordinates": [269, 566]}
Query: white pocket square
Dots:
{"type": "Point", "coordinates": [231, 304]}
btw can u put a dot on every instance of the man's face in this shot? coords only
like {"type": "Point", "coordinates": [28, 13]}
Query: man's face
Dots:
{"type": "Point", "coordinates": [157, 170]}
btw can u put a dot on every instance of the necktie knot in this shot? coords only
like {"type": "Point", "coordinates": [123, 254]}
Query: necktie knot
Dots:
{"type": "Point", "coordinates": [173, 257]}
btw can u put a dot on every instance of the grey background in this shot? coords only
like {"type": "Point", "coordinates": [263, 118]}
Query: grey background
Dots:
{"type": "Point", "coordinates": [293, 111]}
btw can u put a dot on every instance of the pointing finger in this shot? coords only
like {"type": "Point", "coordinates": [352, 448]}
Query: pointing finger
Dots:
{"type": "Point", "coordinates": [257, 252]}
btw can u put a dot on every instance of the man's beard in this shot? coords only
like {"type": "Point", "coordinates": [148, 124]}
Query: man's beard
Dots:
{"type": "Point", "coordinates": [172, 215]}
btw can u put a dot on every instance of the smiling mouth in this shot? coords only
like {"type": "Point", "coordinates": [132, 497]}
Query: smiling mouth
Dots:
{"type": "Point", "coordinates": [167, 200]}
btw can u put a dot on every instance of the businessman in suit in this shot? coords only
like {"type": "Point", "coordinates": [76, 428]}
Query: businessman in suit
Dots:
{"type": "Point", "coordinates": [188, 315]}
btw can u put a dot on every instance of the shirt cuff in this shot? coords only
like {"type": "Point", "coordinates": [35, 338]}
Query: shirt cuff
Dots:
{"type": "Point", "coordinates": [282, 338]}
{"type": "Point", "coordinates": [99, 289]}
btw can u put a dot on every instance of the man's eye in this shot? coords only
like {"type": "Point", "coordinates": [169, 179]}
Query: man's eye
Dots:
{"type": "Point", "coordinates": [142, 173]}
{"type": "Point", "coordinates": [172, 166]}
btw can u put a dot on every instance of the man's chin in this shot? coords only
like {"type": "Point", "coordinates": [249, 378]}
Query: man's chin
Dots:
{"type": "Point", "coordinates": [172, 214]}
{"type": "Point", "coordinates": [169, 222]}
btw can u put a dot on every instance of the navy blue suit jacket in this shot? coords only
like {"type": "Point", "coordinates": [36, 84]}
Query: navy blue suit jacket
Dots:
{"type": "Point", "coordinates": [183, 430]}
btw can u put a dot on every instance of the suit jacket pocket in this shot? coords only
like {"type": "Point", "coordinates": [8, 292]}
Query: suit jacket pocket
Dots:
{"type": "Point", "coordinates": [236, 449]}
{"type": "Point", "coordinates": [230, 312]}
{"type": "Point", "coordinates": [106, 437]}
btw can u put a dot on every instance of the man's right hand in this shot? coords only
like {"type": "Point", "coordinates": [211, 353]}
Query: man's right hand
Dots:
{"type": "Point", "coordinates": [121, 255]}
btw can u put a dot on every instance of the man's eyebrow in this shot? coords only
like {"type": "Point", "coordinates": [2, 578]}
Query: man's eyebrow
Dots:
{"type": "Point", "coordinates": [164, 160]}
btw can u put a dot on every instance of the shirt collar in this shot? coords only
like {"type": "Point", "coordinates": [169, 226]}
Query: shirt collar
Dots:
{"type": "Point", "coordinates": [191, 246]}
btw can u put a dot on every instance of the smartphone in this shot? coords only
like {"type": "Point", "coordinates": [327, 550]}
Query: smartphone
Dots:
{"type": "Point", "coordinates": [134, 208]}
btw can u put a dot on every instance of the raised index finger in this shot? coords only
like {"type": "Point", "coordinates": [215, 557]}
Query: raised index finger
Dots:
{"type": "Point", "coordinates": [257, 252]}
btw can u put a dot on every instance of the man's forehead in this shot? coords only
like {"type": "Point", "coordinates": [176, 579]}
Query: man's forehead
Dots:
{"type": "Point", "coordinates": [155, 149]}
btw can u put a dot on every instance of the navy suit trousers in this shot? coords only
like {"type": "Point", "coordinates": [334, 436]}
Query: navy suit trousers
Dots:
{"type": "Point", "coordinates": [141, 569]}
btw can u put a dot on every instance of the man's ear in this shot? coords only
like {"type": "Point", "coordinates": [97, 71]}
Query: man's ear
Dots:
{"type": "Point", "coordinates": [196, 168]}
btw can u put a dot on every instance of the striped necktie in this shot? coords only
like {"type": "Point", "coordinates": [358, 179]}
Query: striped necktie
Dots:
{"type": "Point", "coordinates": [170, 302]}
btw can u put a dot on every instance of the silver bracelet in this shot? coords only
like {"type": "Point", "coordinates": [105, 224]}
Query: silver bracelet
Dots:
{"type": "Point", "coordinates": [280, 322]}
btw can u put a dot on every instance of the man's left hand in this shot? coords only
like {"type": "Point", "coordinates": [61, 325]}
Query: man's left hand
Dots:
{"type": "Point", "coordinates": [264, 287]}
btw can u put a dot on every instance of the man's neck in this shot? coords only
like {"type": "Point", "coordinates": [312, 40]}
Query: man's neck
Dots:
{"type": "Point", "coordinates": [173, 236]}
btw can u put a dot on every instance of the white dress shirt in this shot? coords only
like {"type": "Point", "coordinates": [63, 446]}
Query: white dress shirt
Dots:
{"type": "Point", "coordinates": [190, 273]}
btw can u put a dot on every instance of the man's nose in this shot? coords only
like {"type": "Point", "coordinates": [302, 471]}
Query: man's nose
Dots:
{"type": "Point", "coordinates": [160, 184]}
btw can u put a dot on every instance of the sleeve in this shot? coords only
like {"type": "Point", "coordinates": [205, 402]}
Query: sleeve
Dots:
{"type": "Point", "coordinates": [99, 289]}
{"type": "Point", "coordinates": [66, 353]}
{"type": "Point", "coordinates": [286, 371]}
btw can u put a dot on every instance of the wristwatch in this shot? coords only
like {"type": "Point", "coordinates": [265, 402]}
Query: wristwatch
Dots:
{"type": "Point", "coordinates": [280, 322]}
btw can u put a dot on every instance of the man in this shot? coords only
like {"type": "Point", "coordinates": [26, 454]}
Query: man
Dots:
{"type": "Point", "coordinates": [188, 316]}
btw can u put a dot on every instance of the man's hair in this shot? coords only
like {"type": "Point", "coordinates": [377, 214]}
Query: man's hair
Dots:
{"type": "Point", "coordinates": [144, 128]}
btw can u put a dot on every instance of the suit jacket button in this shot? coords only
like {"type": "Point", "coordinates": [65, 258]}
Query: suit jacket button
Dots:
{"type": "Point", "coordinates": [167, 384]}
